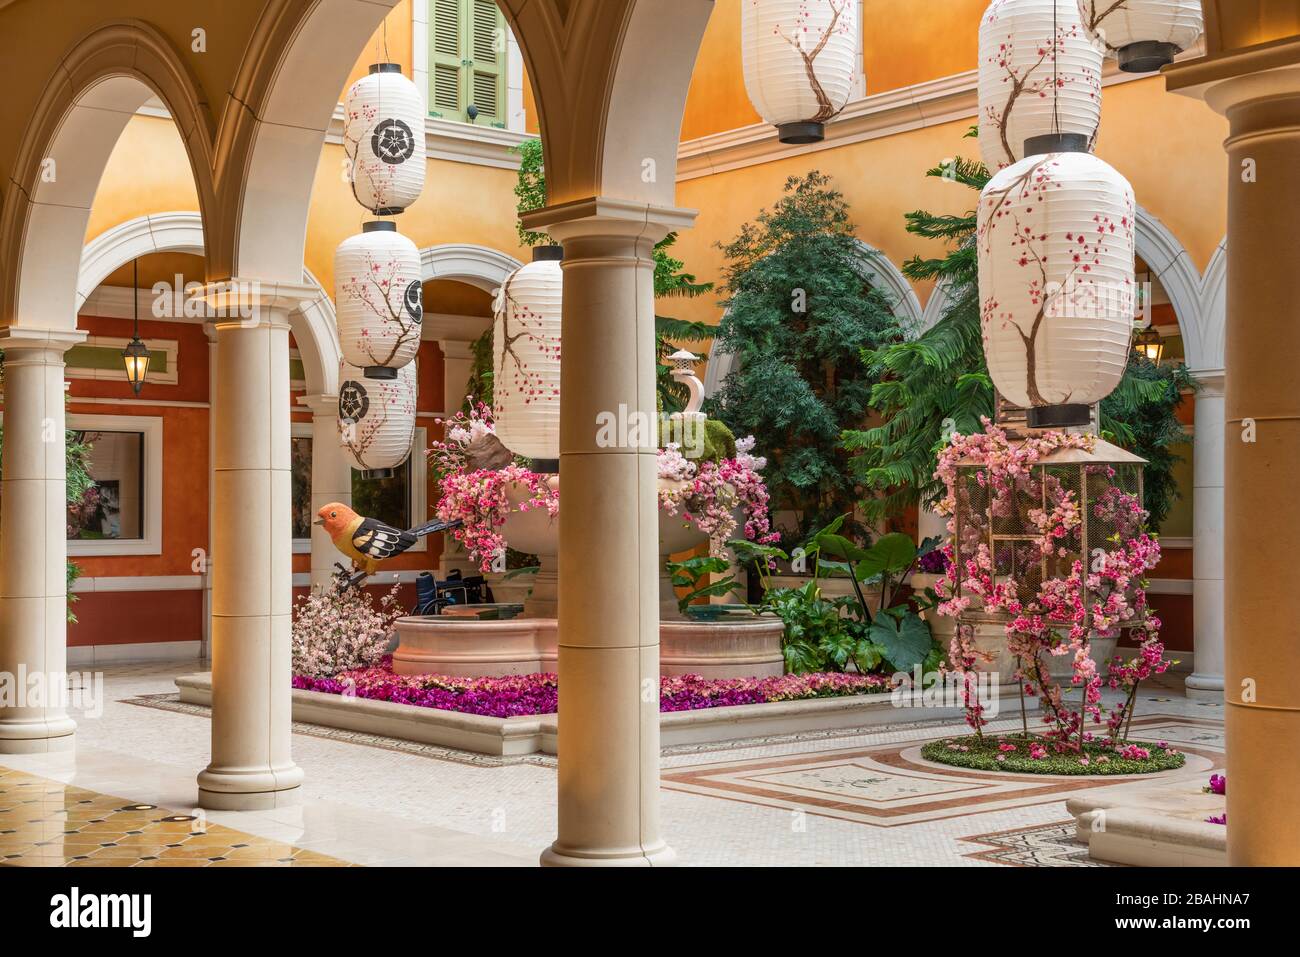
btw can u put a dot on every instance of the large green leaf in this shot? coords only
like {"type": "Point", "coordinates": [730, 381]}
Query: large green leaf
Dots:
{"type": "Point", "coordinates": [890, 555]}
{"type": "Point", "coordinates": [906, 643]}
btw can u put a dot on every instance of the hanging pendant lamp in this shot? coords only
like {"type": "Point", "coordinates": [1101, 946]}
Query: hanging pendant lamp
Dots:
{"type": "Point", "coordinates": [1039, 73]}
{"type": "Point", "coordinates": [136, 354]}
{"type": "Point", "coordinates": [1144, 35]}
{"type": "Point", "coordinates": [800, 57]}
{"type": "Point", "coordinates": [380, 299]}
{"type": "Point", "coordinates": [526, 359]}
{"type": "Point", "coordinates": [383, 134]}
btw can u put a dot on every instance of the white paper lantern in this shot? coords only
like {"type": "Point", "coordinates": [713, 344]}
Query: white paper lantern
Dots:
{"type": "Point", "coordinates": [800, 57]}
{"type": "Point", "coordinates": [379, 299]}
{"type": "Point", "coordinates": [1039, 73]}
{"type": "Point", "coordinates": [1144, 34]}
{"type": "Point", "coordinates": [526, 357]}
{"type": "Point", "coordinates": [377, 419]}
{"type": "Point", "coordinates": [383, 134]}
{"type": "Point", "coordinates": [1056, 283]}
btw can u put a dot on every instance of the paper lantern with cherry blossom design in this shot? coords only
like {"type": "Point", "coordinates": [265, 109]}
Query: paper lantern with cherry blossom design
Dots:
{"type": "Point", "coordinates": [1055, 242]}
{"type": "Point", "coordinates": [526, 358]}
{"type": "Point", "coordinates": [379, 299]}
{"type": "Point", "coordinates": [383, 134]}
{"type": "Point", "coordinates": [377, 419]}
{"type": "Point", "coordinates": [1144, 35]}
{"type": "Point", "coordinates": [1039, 73]}
{"type": "Point", "coordinates": [800, 57]}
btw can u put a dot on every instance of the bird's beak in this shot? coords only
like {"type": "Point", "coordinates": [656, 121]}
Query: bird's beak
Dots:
{"type": "Point", "coordinates": [319, 521]}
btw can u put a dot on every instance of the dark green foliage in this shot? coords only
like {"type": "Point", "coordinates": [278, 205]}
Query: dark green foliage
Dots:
{"type": "Point", "coordinates": [984, 754]}
{"type": "Point", "coordinates": [937, 383]}
{"type": "Point", "coordinates": [479, 387]}
{"type": "Point", "coordinates": [530, 190]}
{"type": "Point", "coordinates": [800, 308]}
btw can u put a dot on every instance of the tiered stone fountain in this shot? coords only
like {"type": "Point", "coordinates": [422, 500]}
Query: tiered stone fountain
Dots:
{"type": "Point", "coordinates": [735, 646]}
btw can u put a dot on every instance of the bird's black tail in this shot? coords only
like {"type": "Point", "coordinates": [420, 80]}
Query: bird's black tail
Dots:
{"type": "Point", "coordinates": [433, 528]}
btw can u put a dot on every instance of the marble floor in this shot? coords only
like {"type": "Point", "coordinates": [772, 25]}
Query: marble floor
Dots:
{"type": "Point", "coordinates": [821, 799]}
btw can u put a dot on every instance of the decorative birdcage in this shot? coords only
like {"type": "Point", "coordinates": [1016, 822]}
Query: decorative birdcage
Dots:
{"type": "Point", "coordinates": [1072, 505]}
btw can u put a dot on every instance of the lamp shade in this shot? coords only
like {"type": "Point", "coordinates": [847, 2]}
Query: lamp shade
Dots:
{"type": "Point", "coordinates": [1039, 73]}
{"type": "Point", "coordinates": [1143, 34]}
{"type": "Point", "coordinates": [526, 357]}
{"type": "Point", "coordinates": [1055, 241]}
{"type": "Point", "coordinates": [379, 299]}
{"type": "Point", "coordinates": [799, 57]}
{"type": "Point", "coordinates": [383, 134]}
{"type": "Point", "coordinates": [376, 419]}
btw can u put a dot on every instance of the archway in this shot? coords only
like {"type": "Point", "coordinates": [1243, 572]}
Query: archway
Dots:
{"type": "Point", "coordinates": [76, 123]}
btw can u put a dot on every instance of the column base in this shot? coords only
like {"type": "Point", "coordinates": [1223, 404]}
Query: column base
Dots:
{"type": "Point", "coordinates": [56, 739]}
{"type": "Point", "coordinates": [261, 790]}
{"type": "Point", "coordinates": [659, 856]}
{"type": "Point", "coordinates": [1202, 687]}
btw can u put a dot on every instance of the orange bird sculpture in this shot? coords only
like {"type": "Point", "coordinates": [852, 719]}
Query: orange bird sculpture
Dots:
{"type": "Point", "coordinates": [368, 541]}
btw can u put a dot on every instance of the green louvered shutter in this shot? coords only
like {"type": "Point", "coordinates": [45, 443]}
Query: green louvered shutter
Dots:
{"type": "Point", "coordinates": [487, 67]}
{"type": "Point", "coordinates": [447, 59]}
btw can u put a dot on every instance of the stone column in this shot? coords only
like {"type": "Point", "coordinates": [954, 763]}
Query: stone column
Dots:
{"type": "Point", "coordinates": [34, 541]}
{"type": "Point", "coordinates": [1259, 92]}
{"type": "Point", "coordinates": [609, 538]}
{"type": "Point", "coordinates": [331, 481]}
{"type": "Point", "coordinates": [1206, 682]}
{"type": "Point", "coordinates": [457, 363]}
{"type": "Point", "coordinates": [251, 766]}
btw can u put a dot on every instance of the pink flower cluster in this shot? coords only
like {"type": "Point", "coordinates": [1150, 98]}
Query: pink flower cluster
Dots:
{"type": "Point", "coordinates": [1071, 608]}
{"type": "Point", "coordinates": [707, 494]}
{"type": "Point", "coordinates": [539, 693]}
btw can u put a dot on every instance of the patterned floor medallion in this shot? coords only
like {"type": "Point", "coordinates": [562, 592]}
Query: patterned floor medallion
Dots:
{"type": "Point", "coordinates": [890, 785]}
{"type": "Point", "coordinates": [1047, 845]}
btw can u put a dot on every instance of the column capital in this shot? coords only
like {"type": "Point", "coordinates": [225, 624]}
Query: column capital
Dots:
{"type": "Point", "coordinates": [249, 303]}
{"type": "Point", "coordinates": [608, 217]}
{"type": "Point", "coordinates": [29, 338]}
{"type": "Point", "coordinates": [1236, 77]}
{"type": "Point", "coordinates": [1209, 381]}
{"type": "Point", "coordinates": [323, 404]}
{"type": "Point", "coordinates": [456, 348]}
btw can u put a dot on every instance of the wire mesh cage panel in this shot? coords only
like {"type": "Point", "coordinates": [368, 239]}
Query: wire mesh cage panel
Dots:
{"type": "Point", "coordinates": [1070, 508]}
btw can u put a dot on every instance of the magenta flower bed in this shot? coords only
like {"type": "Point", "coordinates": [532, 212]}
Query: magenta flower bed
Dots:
{"type": "Point", "coordinates": [539, 694]}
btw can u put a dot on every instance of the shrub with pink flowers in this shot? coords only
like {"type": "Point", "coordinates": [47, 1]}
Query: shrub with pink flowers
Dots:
{"type": "Point", "coordinates": [1078, 592]}
{"type": "Point", "coordinates": [708, 494]}
{"type": "Point", "coordinates": [539, 693]}
{"type": "Point", "coordinates": [338, 629]}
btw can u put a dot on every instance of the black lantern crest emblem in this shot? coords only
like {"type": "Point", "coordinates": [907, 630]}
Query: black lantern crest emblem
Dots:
{"type": "Point", "coordinates": [393, 142]}
{"type": "Point", "coordinates": [354, 401]}
{"type": "Point", "coordinates": [414, 300]}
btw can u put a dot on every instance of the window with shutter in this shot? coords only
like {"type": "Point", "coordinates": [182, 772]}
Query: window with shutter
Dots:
{"type": "Point", "coordinates": [467, 52]}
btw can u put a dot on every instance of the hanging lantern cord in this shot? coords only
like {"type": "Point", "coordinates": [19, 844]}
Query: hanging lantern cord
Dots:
{"type": "Point", "coordinates": [1056, 67]}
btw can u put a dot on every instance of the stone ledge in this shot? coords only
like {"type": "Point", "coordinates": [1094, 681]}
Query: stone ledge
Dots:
{"type": "Point", "coordinates": [1152, 825]}
{"type": "Point", "coordinates": [533, 734]}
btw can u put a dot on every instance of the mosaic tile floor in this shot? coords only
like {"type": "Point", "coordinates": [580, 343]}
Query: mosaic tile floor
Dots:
{"type": "Point", "coordinates": [45, 823]}
{"type": "Point", "coordinates": [840, 799]}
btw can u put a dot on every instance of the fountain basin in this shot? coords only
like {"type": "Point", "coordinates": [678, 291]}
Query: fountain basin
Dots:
{"type": "Point", "coordinates": [467, 647]}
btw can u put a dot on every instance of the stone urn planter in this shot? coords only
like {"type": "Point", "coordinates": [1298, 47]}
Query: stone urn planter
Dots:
{"type": "Point", "coordinates": [536, 533]}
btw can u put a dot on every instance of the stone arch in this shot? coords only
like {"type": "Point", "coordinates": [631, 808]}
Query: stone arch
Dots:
{"type": "Point", "coordinates": [479, 266]}
{"type": "Point", "coordinates": [313, 324]}
{"type": "Point", "coordinates": [890, 280]}
{"type": "Point", "coordinates": [1214, 303]}
{"type": "Point", "coordinates": [609, 132]}
{"type": "Point", "coordinates": [1173, 266]}
{"type": "Point", "coordinates": [103, 80]}
{"type": "Point", "coordinates": [273, 131]}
